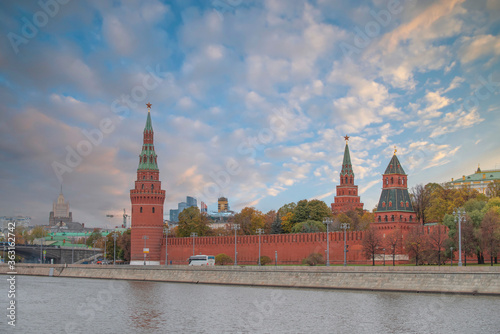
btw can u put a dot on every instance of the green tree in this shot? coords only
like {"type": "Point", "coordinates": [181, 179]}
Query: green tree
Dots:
{"type": "Point", "coordinates": [420, 200]}
{"type": "Point", "coordinates": [309, 226]}
{"type": "Point", "coordinates": [96, 236]}
{"type": "Point", "coordinates": [265, 260]}
{"type": "Point", "coordinates": [192, 220]}
{"type": "Point", "coordinates": [286, 209]}
{"type": "Point", "coordinates": [318, 210]}
{"type": "Point", "coordinates": [276, 227]}
{"type": "Point", "coordinates": [222, 259]}
{"type": "Point", "coordinates": [314, 259]}
{"type": "Point", "coordinates": [301, 212]}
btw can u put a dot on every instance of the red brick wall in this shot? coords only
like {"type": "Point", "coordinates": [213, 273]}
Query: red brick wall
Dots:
{"type": "Point", "coordinates": [291, 248]}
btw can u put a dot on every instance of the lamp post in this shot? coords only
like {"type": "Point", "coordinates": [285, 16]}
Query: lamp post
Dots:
{"type": "Point", "coordinates": [114, 248]}
{"type": "Point", "coordinates": [327, 222]}
{"type": "Point", "coordinates": [145, 237]}
{"type": "Point", "coordinates": [459, 216]}
{"type": "Point", "coordinates": [194, 234]}
{"type": "Point", "coordinates": [93, 244]}
{"type": "Point", "coordinates": [275, 258]}
{"type": "Point", "coordinates": [235, 227]}
{"type": "Point", "coordinates": [165, 229]}
{"type": "Point", "coordinates": [41, 250]}
{"type": "Point", "coordinates": [259, 232]}
{"type": "Point", "coordinates": [384, 256]}
{"type": "Point", "coordinates": [105, 248]}
{"type": "Point", "coordinates": [451, 263]}
{"type": "Point", "coordinates": [345, 226]}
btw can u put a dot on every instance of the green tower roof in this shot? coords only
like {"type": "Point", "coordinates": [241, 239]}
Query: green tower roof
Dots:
{"type": "Point", "coordinates": [346, 164]}
{"type": "Point", "coordinates": [394, 166]}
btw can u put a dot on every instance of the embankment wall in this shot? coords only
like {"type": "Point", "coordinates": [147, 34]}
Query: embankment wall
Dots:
{"type": "Point", "coordinates": [463, 280]}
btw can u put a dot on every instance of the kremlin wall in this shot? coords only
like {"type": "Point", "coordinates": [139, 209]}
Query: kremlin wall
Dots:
{"type": "Point", "coordinates": [394, 212]}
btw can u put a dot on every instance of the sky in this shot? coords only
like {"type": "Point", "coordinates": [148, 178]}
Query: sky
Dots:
{"type": "Point", "coordinates": [250, 99]}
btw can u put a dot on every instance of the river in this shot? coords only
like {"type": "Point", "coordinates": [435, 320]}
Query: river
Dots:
{"type": "Point", "coordinates": [68, 305]}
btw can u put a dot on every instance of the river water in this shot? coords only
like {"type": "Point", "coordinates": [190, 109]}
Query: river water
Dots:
{"type": "Point", "coordinates": [68, 305]}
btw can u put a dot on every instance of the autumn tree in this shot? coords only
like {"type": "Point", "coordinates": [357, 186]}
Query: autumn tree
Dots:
{"type": "Point", "coordinates": [420, 200]}
{"type": "Point", "coordinates": [493, 189]}
{"type": "Point", "coordinates": [470, 242]}
{"type": "Point", "coordinates": [490, 233]}
{"type": "Point", "coordinates": [192, 220]}
{"type": "Point", "coordinates": [371, 242]}
{"type": "Point", "coordinates": [94, 238]}
{"type": "Point", "coordinates": [250, 220]}
{"type": "Point", "coordinates": [415, 243]}
{"type": "Point", "coordinates": [304, 210]}
{"type": "Point", "coordinates": [124, 244]}
{"type": "Point", "coordinates": [392, 243]}
{"type": "Point", "coordinates": [436, 241]}
{"type": "Point", "coordinates": [269, 219]}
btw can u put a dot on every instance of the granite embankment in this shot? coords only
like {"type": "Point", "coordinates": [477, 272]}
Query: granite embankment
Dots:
{"type": "Point", "coordinates": [464, 280]}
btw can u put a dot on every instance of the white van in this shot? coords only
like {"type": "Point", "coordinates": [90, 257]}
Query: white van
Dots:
{"type": "Point", "coordinates": [202, 260]}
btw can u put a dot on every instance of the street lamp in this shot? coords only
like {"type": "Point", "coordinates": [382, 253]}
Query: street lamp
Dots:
{"type": "Point", "coordinates": [114, 247]}
{"type": "Point", "coordinates": [259, 232]}
{"type": "Point", "coordinates": [235, 227]}
{"type": "Point", "coordinates": [94, 250]}
{"type": "Point", "coordinates": [327, 222]}
{"type": "Point", "coordinates": [451, 249]}
{"type": "Point", "coordinates": [384, 256]}
{"type": "Point", "coordinates": [345, 226]}
{"type": "Point", "coordinates": [194, 234]}
{"type": "Point", "coordinates": [105, 249]}
{"type": "Point", "coordinates": [459, 216]}
{"type": "Point", "coordinates": [165, 229]}
{"type": "Point", "coordinates": [145, 237]}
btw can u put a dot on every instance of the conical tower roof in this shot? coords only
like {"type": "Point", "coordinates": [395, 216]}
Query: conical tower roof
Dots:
{"type": "Point", "coordinates": [346, 164]}
{"type": "Point", "coordinates": [147, 158]}
{"type": "Point", "coordinates": [394, 166]}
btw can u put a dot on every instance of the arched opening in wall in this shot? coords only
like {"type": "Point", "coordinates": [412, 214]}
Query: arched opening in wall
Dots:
{"type": "Point", "coordinates": [144, 177]}
{"type": "Point", "coordinates": [379, 219]}
{"type": "Point", "coordinates": [140, 210]}
{"type": "Point", "coordinates": [152, 187]}
{"type": "Point", "coordinates": [346, 179]}
{"type": "Point", "coordinates": [392, 180]}
{"type": "Point", "coordinates": [153, 209]}
{"type": "Point", "coordinates": [386, 180]}
{"type": "Point", "coordinates": [385, 218]}
{"type": "Point", "coordinates": [142, 186]}
{"type": "Point", "coordinates": [411, 218]}
{"type": "Point", "coordinates": [392, 218]}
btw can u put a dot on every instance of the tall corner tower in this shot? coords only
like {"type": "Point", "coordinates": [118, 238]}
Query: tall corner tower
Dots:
{"type": "Point", "coordinates": [347, 192]}
{"type": "Point", "coordinates": [395, 203]}
{"type": "Point", "coordinates": [147, 204]}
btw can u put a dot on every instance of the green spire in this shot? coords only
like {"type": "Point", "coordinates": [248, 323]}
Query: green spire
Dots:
{"type": "Point", "coordinates": [346, 164]}
{"type": "Point", "coordinates": [147, 158]}
{"type": "Point", "coordinates": [148, 126]}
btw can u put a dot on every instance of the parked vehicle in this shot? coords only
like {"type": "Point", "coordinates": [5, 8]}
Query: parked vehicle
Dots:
{"type": "Point", "coordinates": [202, 260]}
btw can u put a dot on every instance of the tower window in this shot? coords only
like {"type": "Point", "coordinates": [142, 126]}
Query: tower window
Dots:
{"type": "Point", "coordinates": [392, 180]}
{"type": "Point", "coordinates": [144, 177]}
{"type": "Point", "coordinates": [142, 186]}
{"type": "Point", "coordinates": [386, 180]}
{"type": "Point", "coordinates": [152, 187]}
{"type": "Point", "coordinates": [151, 177]}
{"type": "Point", "coordinates": [140, 210]}
{"type": "Point", "coordinates": [153, 209]}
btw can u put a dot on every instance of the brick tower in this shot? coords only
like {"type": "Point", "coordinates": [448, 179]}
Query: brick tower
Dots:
{"type": "Point", "coordinates": [147, 204]}
{"type": "Point", "coordinates": [395, 204]}
{"type": "Point", "coordinates": [347, 192]}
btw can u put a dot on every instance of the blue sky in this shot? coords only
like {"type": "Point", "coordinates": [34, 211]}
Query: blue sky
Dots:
{"type": "Point", "coordinates": [251, 99]}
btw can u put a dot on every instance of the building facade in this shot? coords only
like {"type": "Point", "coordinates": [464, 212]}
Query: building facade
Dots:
{"type": "Point", "coordinates": [174, 213]}
{"type": "Point", "coordinates": [147, 199]}
{"type": "Point", "coordinates": [60, 214]}
{"type": "Point", "coordinates": [395, 204]}
{"type": "Point", "coordinates": [223, 204]}
{"type": "Point", "coordinates": [347, 198]}
{"type": "Point", "coordinates": [479, 180]}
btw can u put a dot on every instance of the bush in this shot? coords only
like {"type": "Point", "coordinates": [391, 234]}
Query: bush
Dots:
{"type": "Point", "coordinates": [222, 259]}
{"type": "Point", "coordinates": [314, 259]}
{"type": "Point", "coordinates": [265, 260]}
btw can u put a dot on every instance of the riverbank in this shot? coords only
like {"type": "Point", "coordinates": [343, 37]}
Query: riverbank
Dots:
{"type": "Point", "coordinates": [481, 280]}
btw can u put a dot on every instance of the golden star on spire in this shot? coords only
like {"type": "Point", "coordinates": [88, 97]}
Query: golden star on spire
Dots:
{"type": "Point", "coordinates": [395, 149]}
{"type": "Point", "coordinates": [149, 105]}
{"type": "Point", "coordinates": [346, 138]}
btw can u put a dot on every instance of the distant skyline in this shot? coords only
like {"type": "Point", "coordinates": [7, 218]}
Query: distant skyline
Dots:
{"type": "Point", "coordinates": [250, 99]}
